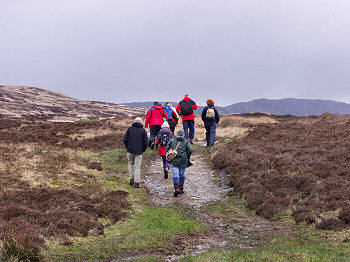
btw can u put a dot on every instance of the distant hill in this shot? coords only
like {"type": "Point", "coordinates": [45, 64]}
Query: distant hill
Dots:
{"type": "Point", "coordinates": [292, 106]}
{"type": "Point", "coordinates": [23, 101]}
{"type": "Point", "coordinates": [147, 104]}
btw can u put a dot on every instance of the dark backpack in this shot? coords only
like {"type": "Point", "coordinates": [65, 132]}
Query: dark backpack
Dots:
{"type": "Point", "coordinates": [186, 108]}
{"type": "Point", "coordinates": [164, 138]}
{"type": "Point", "coordinates": [170, 112]}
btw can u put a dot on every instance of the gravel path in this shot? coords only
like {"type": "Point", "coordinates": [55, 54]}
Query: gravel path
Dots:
{"type": "Point", "coordinates": [202, 186]}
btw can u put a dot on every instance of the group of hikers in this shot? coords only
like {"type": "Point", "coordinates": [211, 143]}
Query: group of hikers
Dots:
{"type": "Point", "coordinates": [175, 150]}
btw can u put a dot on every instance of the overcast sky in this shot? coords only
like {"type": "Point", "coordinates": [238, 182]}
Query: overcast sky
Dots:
{"type": "Point", "coordinates": [145, 50]}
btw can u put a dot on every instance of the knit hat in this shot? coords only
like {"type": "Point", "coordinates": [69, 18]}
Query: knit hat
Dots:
{"type": "Point", "coordinates": [138, 120]}
{"type": "Point", "coordinates": [155, 103]}
{"type": "Point", "coordinates": [165, 125]}
{"type": "Point", "coordinates": [180, 132]}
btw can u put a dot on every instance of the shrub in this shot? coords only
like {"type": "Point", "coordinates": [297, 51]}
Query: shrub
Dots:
{"type": "Point", "coordinates": [20, 242]}
{"type": "Point", "coordinates": [344, 215]}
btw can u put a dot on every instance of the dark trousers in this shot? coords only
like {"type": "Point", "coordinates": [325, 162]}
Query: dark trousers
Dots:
{"type": "Point", "coordinates": [210, 134]}
{"type": "Point", "coordinates": [154, 130]}
{"type": "Point", "coordinates": [166, 165]}
{"type": "Point", "coordinates": [172, 126]}
{"type": "Point", "coordinates": [188, 125]}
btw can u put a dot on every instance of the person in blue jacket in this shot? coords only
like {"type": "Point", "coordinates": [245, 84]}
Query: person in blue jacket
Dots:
{"type": "Point", "coordinates": [211, 118]}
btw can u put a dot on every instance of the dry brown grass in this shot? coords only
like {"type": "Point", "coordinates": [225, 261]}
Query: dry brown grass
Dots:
{"type": "Point", "coordinates": [45, 182]}
{"type": "Point", "coordinates": [232, 126]}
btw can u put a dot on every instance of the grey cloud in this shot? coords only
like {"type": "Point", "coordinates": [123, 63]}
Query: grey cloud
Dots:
{"type": "Point", "coordinates": [123, 51]}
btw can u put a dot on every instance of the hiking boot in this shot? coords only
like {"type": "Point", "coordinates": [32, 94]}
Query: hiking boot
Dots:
{"type": "Point", "coordinates": [137, 185]}
{"type": "Point", "coordinates": [177, 191]}
{"type": "Point", "coordinates": [131, 181]}
{"type": "Point", "coordinates": [166, 174]}
{"type": "Point", "coordinates": [181, 188]}
{"type": "Point", "coordinates": [191, 141]}
{"type": "Point", "coordinates": [152, 145]}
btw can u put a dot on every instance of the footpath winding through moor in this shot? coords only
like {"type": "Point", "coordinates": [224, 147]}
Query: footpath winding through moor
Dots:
{"type": "Point", "coordinates": [203, 186]}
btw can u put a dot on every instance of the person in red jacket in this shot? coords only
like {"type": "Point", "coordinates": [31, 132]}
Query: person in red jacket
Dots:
{"type": "Point", "coordinates": [163, 138]}
{"type": "Point", "coordinates": [185, 108]}
{"type": "Point", "coordinates": [155, 117]}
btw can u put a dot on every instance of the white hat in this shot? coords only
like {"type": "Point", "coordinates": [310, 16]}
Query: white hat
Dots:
{"type": "Point", "coordinates": [165, 125]}
{"type": "Point", "coordinates": [138, 120]}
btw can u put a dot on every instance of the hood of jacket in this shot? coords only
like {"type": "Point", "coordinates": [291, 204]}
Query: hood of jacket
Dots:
{"type": "Point", "coordinates": [181, 138]}
{"type": "Point", "coordinates": [138, 125]}
{"type": "Point", "coordinates": [158, 107]}
{"type": "Point", "coordinates": [186, 99]}
{"type": "Point", "coordinates": [165, 130]}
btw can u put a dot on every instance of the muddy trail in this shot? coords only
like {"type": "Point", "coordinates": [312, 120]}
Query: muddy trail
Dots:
{"type": "Point", "coordinates": [204, 185]}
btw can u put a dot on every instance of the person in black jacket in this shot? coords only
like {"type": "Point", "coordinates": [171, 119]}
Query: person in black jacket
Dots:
{"type": "Point", "coordinates": [211, 118]}
{"type": "Point", "coordinates": [135, 140]}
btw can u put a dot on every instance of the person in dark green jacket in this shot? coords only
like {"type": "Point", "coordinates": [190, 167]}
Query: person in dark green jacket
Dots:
{"type": "Point", "coordinates": [181, 161]}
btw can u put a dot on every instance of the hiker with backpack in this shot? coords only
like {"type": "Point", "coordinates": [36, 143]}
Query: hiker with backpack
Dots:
{"type": "Point", "coordinates": [155, 117]}
{"type": "Point", "coordinates": [135, 140]}
{"type": "Point", "coordinates": [211, 118]}
{"type": "Point", "coordinates": [178, 153]}
{"type": "Point", "coordinates": [173, 118]}
{"type": "Point", "coordinates": [162, 140]}
{"type": "Point", "coordinates": [185, 108]}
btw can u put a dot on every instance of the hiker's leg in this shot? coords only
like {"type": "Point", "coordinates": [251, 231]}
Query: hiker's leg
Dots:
{"type": "Point", "coordinates": [138, 162]}
{"type": "Point", "coordinates": [182, 175]}
{"type": "Point", "coordinates": [207, 134]}
{"type": "Point", "coordinates": [185, 125]}
{"type": "Point", "coordinates": [131, 162]}
{"type": "Point", "coordinates": [164, 162]}
{"type": "Point", "coordinates": [212, 134]}
{"type": "Point", "coordinates": [175, 171]}
{"type": "Point", "coordinates": [172, 126]}
{"type": "Point", "coordinates": [154, 130]}
{"type": "Point", "coordinates": [191, 127]}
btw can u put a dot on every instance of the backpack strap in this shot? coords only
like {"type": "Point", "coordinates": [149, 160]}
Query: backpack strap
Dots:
{"type": "Point", "coordinates": [161, 109]}
{"type": "Point", "coordinates": [177, 146]}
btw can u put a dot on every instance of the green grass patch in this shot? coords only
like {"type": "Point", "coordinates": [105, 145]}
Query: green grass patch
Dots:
{"type": "Point", "coordinates": [227, 208]}
{"type": "Point", "coordinates": [149, 228]}
{"type": "Point", "coordinates": [282, 248]}
{"type": "Point", "coordinates": [150, 258]}
{"type": "Point", "coordinates": [114, 161]}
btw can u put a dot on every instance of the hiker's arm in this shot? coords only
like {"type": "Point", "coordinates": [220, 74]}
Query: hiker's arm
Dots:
{"type": "Point", "coordinates": [126, 138]}
{"type": "Point", "coordinates": [178, 107]}
{"type": "Point", "coordinates": [189, 149]}
{"type": "Point", "coordinates": [148, 115]}
{"type": "Point", "coordinates": [168, 146]}
{"type": "Point", "coordinates": [166, 116]}
{"type": "Point", "coordinates": [145, 141]}
{"type": "Point", "coordinates": [194, 106]}
{"type": "Point", "coordinates": [204, 112]}
{"type": "Point", "coordinates": [217, 116]}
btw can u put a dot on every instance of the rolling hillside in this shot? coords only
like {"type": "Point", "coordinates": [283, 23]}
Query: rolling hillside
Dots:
{"type": "Point", "coordinates": [22, 101]}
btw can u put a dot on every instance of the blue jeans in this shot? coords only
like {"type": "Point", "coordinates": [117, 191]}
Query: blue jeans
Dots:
{"type": "Point", "coordinates": [210, 134]}
{"type": "Point", "coordinates": [178, 175]}
{"type": "Point", "coordinates": [188, 124]}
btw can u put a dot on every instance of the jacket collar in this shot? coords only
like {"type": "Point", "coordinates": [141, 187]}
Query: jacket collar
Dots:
{"type": "Point", "coordinates": [186, 99]}
{"type": "Point", "coordinates": [136, 124]}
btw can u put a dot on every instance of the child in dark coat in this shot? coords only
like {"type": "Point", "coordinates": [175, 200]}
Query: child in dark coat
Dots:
{"type": "Point", "coordinates": [162, 140]}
